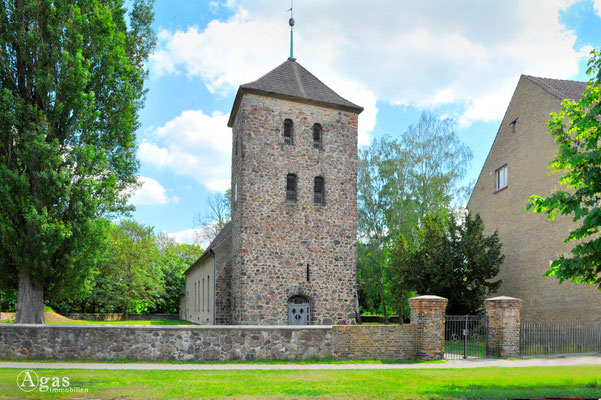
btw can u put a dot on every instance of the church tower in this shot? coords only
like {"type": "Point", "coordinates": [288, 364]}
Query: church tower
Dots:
{"type": "Point", "coordinates": [294, 201]}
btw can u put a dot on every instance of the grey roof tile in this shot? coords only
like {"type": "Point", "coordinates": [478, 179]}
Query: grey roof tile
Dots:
{"type": "Point", "coordinates": [562, 89]}
{"type": "Point", "coordinates": [292, 80]}
{"type": "Point", "coordinates": [221, 236]}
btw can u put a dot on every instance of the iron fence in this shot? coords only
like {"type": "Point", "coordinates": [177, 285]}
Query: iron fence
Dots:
{"type": "Point", "coordinates": [559, 338]}
{"type": "Point", "coordinates": [465, 336]}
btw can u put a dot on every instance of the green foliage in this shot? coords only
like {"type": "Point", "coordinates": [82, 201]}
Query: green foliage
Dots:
{"type": "Point", "coordinates": [129, 278]}
{"type": "Point", "coordinates": [455, 260]}
{"type": "Point", "coordinates": [175, 258]}
{"type": "Point", "coordinates": [577, 132]}
{"type": "Point", "coordinates": [135, 271]}
{"type": "Point", "coordinates": [71, 85]}
{"type": "Point", "coordinates": [8, 300]}
{"type": "Point", "coordinates": [400, 181]}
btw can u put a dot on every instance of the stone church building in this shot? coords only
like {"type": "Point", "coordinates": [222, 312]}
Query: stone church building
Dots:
{"type": "Point", "coordinates": [288, 256]}
{"type": "Point", "coordinates": [516, 168]}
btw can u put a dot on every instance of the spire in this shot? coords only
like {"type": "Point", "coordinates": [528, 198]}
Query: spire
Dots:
{"type": "Point", "coordinates": [291, 23]}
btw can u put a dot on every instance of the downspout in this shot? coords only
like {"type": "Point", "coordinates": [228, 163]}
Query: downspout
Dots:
{"type": "Point", "coordinates": [214, 280]}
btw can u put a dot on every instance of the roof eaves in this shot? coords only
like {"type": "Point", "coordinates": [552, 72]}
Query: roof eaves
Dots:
{"type": "Point", "coordinates": [242, 90]}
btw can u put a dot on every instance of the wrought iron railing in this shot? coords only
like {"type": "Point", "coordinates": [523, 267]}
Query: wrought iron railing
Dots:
{"type": "Point", "coordinates": [559, 338]}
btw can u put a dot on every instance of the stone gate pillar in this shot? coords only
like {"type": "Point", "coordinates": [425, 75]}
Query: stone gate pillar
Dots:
{"type": "Point", "coordinates": [428, 316]}
{"type": "Point", "coordinates": [503, 318]}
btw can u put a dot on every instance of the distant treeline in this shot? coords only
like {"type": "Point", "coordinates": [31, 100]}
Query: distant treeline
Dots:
{"type": "Point", "coordinates": [135, 271]}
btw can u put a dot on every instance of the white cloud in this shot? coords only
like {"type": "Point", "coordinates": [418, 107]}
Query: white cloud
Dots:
{"type": "Point", "coordinates": [192, 144]}
{"type": "Point", "coordinates": [597, 6]}
{"type": "Point", "coordinates": [190, 236]}
{"type": "Point", "coordinates": [151, 193]}
{"type": "Point", "coordinates": [423, 53]}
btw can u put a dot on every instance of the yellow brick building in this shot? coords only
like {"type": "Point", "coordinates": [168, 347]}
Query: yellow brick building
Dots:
{"type": "Point", "coordinates": [515, 169]}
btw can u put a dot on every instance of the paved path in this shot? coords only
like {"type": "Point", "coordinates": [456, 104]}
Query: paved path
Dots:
{"type": "Point", "coordinates": [472, 363]}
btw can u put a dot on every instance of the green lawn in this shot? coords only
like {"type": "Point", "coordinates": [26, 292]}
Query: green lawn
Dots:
{"type": "Point", "coordinates": [490, 383]}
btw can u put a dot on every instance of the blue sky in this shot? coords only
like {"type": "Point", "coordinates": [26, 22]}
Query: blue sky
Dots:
{"type": "Point", "coordinates": [461, 59]}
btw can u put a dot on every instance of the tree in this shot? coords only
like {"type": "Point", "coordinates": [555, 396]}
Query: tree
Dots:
{"type": "Point", "coordinates": [175, 258]}
{"type": "Point", "coordinates": [216, 217]}
{"type": "Point", "coordinates": [577, 132]}
{"type": "Point", "coordinates": [129, 280]}
{"type": "Point", "coordinates": [400, 181]}
{"type": "Point", "coordinates": [455, 260]}
{"type": "Point", "coordinates": [71, 85]}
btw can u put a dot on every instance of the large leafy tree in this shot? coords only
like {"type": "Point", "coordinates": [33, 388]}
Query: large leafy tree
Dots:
{"type": "Point", "coordinates": [71, 85]}
{"type": "Point", "coordinates": [175, 258]}
{"type": "Point", "coordinates": [456, 260]}
{"type": "Point", "coordinates": [400, 181]}
{"type": "Point", "coordinates": [129, 278]}
{"type": "Point", "coordinates": [577, 132]}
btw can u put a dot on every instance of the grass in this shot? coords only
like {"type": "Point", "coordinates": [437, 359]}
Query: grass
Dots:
{"type": "Point", "coordinates": [490, 383]}
{"type": "Point", "coordinates": [272, 362]}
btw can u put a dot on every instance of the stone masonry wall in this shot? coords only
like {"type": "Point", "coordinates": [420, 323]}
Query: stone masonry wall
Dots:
{"type": "Point", "coordinates": [530, 241]}
{"type": "Point", "coordinates": [205, 343]}
{"type": "Point", "coordinates": [274, 241]}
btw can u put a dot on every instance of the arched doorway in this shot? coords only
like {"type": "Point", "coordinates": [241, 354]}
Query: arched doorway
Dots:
{"type": "Point", "coordinates": [299, 311]}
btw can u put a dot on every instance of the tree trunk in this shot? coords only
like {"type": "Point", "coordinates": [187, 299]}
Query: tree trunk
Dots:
{"type": "Point", "coordinates": [30, 301]}
{"type": "Point", "coordinates": [383, 302]}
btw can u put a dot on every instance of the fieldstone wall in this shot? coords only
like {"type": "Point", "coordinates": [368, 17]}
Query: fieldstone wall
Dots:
{"type": "Point", "coordinates": [279, 248]}
{"type": "Point", "coordinates": [206, 343]}
{"type": "Point", "coordinates": [503, 318]}
{"type": "Point", "coordinates": [175, 343]}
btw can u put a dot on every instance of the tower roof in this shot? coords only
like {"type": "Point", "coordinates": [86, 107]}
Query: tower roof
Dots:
{"type": "Point", "coordinates": [292, 81]}
{"type": "Point", "coordinates": [560, 88]}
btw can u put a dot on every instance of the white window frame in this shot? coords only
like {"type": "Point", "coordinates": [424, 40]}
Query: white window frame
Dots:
{"type": "Point", "coordinates": [501, 177]}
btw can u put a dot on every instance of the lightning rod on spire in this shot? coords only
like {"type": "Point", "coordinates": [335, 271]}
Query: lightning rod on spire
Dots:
{"type": "Point", "coordinates": [291, 23]}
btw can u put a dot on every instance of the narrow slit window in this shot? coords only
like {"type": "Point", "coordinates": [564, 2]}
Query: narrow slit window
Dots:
{"type": "Point", "coordinates": [291, 184]}
{"type": "Point", "coordinates": [318, 191]}
{"type": "Point", "coordinates": [317, 136]}
{"type": "Point", "coordinates": [308, 273]}
{"type": "Point", "coordinates": [288, 134]}
{"type": "Point", "coordinates": [501, 177]}
{"type": "Point", "coordinates": [514, 126]}
{"type": "Point", "coordinates": [208, 294]}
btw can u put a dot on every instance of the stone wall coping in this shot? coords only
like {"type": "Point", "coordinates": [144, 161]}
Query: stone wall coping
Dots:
{"type": "Point", "coordinates": [428, 297]}
{"type": "Point", "coordinates": [176, 327]}
{"type": "Point", "coordinates": [503, 298]}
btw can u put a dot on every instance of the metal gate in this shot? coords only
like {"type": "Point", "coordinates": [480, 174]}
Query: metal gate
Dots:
{"type": "Point", "coordinates": [465, 336]}
{"type": "Point", "coordinates": [298, 311]}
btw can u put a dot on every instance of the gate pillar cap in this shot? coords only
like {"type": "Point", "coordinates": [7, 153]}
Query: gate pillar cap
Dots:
{"type": "Point", "coordinates": [428, 303]}
{"type": "Point", "coordinates": [429, 297]}
{"type": "Point", "coordinates": [502, 301]}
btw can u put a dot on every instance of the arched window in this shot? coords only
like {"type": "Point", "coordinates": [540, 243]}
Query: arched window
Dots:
{"type": "Point", "coordinates": [317, 136]}
{"type": "Point", "coordinates": [318, 191]}
{"type": "Point", "coordinates": [299, 311]}
{"type": "Point", "coordinates": [288, 134]}
{"type": "Point", "coordinates": [291, 188]}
